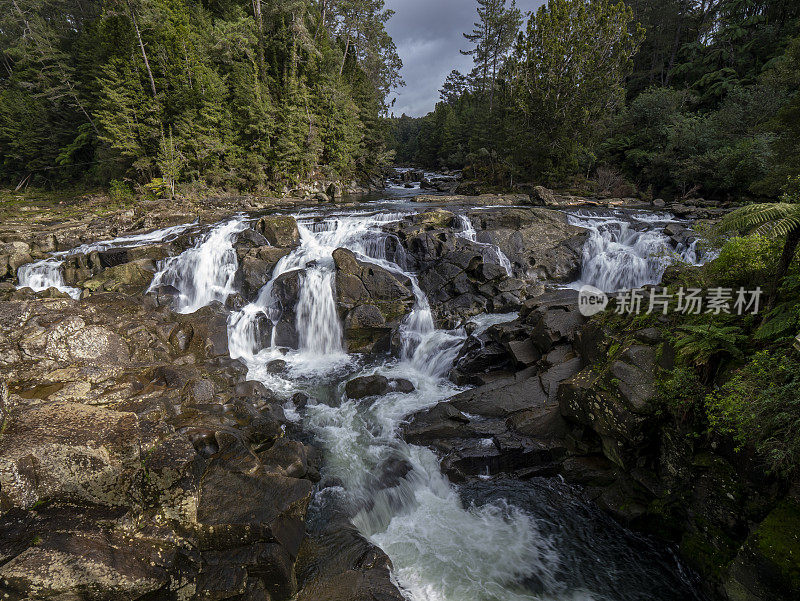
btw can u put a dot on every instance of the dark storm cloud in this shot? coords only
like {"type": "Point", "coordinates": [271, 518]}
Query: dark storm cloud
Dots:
{"type": "Point", "coordinates": [428, 34]}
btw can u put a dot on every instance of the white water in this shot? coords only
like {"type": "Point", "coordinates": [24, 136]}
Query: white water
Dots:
{"type": "Point", "coordinates": [618, 256]}
{"type": "Point", "coordinates": [440, 549]}
{"type": "Point", "coordinates": [206, 272]}
{"type": "Point", "coordinates": [49, 273]}
{"type": "Point", "coordinates": [491, 253]}
{"type": "Point", "coordinates": [45, 274]}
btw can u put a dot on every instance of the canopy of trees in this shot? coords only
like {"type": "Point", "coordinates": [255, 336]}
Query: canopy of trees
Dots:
{"type": "Point", "coordinates": [673, 94]}
{"type": "Point", "coordinates": [236, 94]}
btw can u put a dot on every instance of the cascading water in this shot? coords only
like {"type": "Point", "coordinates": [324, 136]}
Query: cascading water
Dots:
{"type": "Point", "coordinates": [491, 253]}
{"type": "Point", "coordinates": [206, 272]}
{"type": "Point", "coordinates": [45, 274]}
{"type": "Point", "coordinates": [48, 273]}
{"type": "Point", "coordinates": [492, 541]}
{"type": "Point", "coordinates": [443, 548]}
{"type": "Point", "coordinates": [317, 322]}
{"type": "Point", "coordinates": [619, 255]}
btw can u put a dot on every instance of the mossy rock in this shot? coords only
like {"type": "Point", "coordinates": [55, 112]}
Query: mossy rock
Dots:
{"type": "Point", "coordinates": [779, 540]}
{"type": "Point", "coordinates": [279, 230]}
{"type": "Point", "coordinates": [438, 219]}
{"type": "Point", "coordinates": [128, 277]}
{"type": "Point", "coordinates": [768, 564]}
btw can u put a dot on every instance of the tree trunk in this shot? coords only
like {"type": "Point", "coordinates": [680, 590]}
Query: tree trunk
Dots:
{"type": "Point", "coordinates": [789, 251]}
{"type": "Point", "coordinates": [344, 58]}
{"type": "Point", "coordinates": [323, 14]}
{"type": "Point", "coordinates": [141, 45]}
{"type": "Point", "coordinates": [260, 24]}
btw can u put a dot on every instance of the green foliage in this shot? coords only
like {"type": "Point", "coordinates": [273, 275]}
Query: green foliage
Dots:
{"type": "Point", "coordinates": [782, 323]}
{"type": "Point", "coordinates": [699, 344]}
{"type": "Point", "coordinates": [747, 261]}
{"type": "Point", "coordinates": [710, 103]}
{"type": "Point", "coordinates": [680, 390]}
{"type": "Point", "coordinates": [235, 95]}
{"type": "Point", "coordinates": [760, 406]}
{"type": "Point", "coordinates": [534, 111]}
{"type": "Point", "coordinates": [119, 190]}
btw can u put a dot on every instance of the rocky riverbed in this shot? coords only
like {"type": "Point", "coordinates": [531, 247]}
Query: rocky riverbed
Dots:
{"type": "Point", "coordinates": [305, 401]}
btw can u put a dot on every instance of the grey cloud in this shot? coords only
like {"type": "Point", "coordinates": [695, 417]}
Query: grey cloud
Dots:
{"type": "Point", "coordinates": [428, 34]}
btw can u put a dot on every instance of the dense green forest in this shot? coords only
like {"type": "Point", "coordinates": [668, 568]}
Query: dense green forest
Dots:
{"type": "Point", "coordinates": [225, 94]}
{"type": "Point", "coordinates": [674, 96]}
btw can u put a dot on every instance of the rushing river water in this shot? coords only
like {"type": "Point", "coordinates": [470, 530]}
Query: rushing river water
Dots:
{"type": "Point", "coordinates": [498, 540]}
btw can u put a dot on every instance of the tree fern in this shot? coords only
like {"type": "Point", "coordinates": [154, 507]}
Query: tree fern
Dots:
{"type": "Point", "coordinates": [777, 219]}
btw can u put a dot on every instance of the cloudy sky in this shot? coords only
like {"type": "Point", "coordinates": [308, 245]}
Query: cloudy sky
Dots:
{"type": "Point", "coordinates": [428, 38]}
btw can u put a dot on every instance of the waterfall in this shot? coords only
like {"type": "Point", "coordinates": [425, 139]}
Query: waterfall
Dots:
{"type": "Point", "coordinates": [45, 274]}
{"type": "Point", "coordinates": [490, 252]}
{"type": "Point", "coordinates": [442, 546]}
{"type": "Point", "coordinates": [48, 273]}
{"type": "Point", "coordinates": [620, 256]}
{"type": "Point", "coordinates": [423, 510]}
{"type": "Point", "coordinates": [318, 326]}
{"type": "Point", "coordinates": [206, 272]}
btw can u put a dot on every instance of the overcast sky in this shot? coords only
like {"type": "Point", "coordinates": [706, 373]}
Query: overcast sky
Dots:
{"type": "Point", "coordinates": [428, 38]}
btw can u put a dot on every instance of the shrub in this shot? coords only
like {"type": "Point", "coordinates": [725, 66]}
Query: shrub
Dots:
{"type": "Point", "coordinates": [747, 261]}
{"type": "Point", "coordinates": [760, 407]}
{"type": "Point", "coordinates": [119, 190]}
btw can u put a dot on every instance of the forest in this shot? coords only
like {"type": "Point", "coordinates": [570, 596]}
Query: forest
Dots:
{"type": "Point", "coordinates": [671, 97]}
{"type": "Point", "coordinates": [212, 94]}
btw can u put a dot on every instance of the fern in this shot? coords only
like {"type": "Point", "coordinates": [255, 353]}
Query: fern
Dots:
{"type": "Point", "coordinates": [699, 344]}
{"type": "Point", "coordinates": [777, 219]}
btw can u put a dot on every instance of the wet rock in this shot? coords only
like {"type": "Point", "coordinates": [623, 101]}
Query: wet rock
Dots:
{"type": "Point", "coordinates": [286, 292]}
{"type": "Point", "coordinates": [371, 301]}
{"type": "Point", "coordinates": [276, 367]}
{"type": "Point", "coordinates": [257, 266]}
{"type": "Point", "coordinates": [539, 242]}
{"type": "Point", "coordinates": [340, 564]}
{"type": "Point", "coordinates": [477, 356]}
{"type": "Point", "coordinates": [504, 397]}
{"type": "Point", "coordinates": [367, 386]}
{"type": "Point", "coordinates": [402, 386]}
{"type": "Point", "coordinates": [131, 278]}
{"type": "Point", "coordinates": [555, 325]}
{"type": "Point", "coordinates": [279, 230]}
{"type": "Point", "coordinates": [441, 421]}
{"type": "Point", "coordinates": [523, 352]}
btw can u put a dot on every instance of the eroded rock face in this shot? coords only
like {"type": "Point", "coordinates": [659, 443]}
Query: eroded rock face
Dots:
{"type": "Point", "coordinates": [539, 242]}
{"type": "Point", "coordinates": [136, 460]}
{"type": "Point", "coordinates": [455, 273]}
{"type": "Point", "coordinates": [511, 422]}
{"type": "Point", "coordinates": [371, 301]}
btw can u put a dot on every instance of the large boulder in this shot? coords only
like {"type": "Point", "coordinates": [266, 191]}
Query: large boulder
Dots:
{"type": "Point", "coordinates": [285, 293]}
{"type": "Point", "coordinates": [539, 242]}
{"type": "Point", "coordinates": [256, 267]}
{"type": "Point", "coordinates": [371, 301]}
{"type": "Point", "coordinates": [130, 277]}
{"type": "Point", "coordinates": [13, 255]}
{"type": "Point", "coordinates": [279, 230]}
